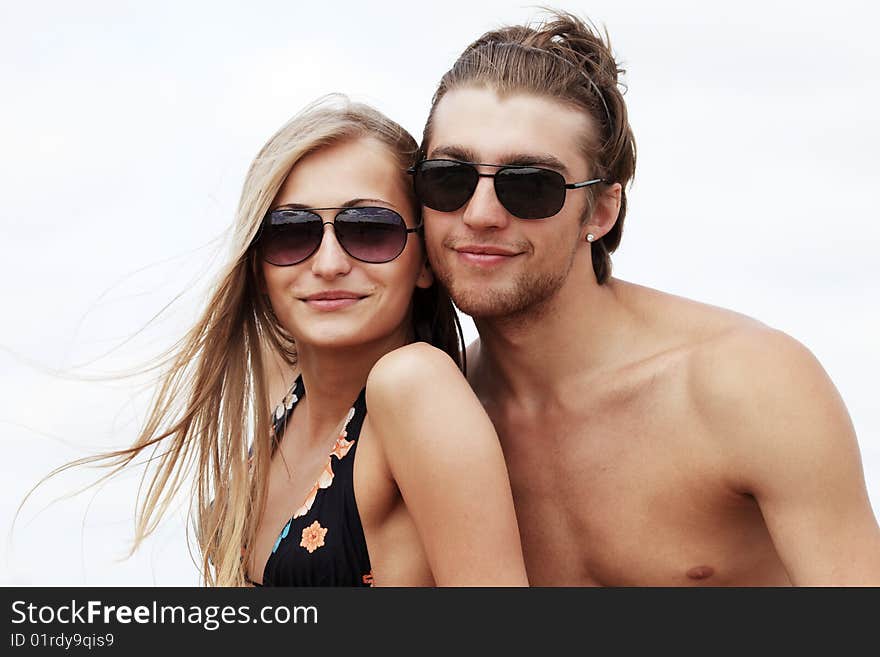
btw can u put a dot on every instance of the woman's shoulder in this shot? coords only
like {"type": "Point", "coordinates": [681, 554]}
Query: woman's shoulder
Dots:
{"type": "Point", "coordinates": [409, 372]}
{"type": "Point", "coordinates": [418, 399]}
{"type": "Point", "coordinates": [414, 363]}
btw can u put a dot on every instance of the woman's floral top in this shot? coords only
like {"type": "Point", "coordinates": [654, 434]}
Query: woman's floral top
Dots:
{"type": "Point", "coordinates": [323, 543]}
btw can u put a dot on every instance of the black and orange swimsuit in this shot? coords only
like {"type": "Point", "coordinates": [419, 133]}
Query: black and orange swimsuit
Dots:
{"type": "Point", "coordinates": [323, 544]}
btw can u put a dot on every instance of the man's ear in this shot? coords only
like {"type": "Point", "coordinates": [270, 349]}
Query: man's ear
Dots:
{"type": "Point", "coordinates": [426, 276]}
{"type": "Point", "coordinates": [604, 214]}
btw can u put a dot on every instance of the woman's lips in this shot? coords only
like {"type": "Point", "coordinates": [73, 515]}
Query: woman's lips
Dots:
{"type": "Point", "coordinates": [332, 300]}
{"type": "Point", "coordinates": [331, 304]}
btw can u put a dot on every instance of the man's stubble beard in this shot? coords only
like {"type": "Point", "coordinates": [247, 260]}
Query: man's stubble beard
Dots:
{"type": "Point", "coordinates": [526, 296]}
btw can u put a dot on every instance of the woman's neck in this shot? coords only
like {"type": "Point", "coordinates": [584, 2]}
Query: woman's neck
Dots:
{"type": "Point", "coordinates": [333, 378]}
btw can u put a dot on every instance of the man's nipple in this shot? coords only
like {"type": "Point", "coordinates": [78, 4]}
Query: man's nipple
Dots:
{"type": "Point", "coordinates": [701, 572]}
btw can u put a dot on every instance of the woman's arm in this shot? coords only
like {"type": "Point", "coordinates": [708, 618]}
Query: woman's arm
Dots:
{"type": "Point", "coordinates": [444, 456]}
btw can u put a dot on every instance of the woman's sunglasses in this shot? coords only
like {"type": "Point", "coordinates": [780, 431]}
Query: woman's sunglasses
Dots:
{"type": "Point", "coordinates": [289, 236]}
{"type": "Point", "coordinates": [526, 192]}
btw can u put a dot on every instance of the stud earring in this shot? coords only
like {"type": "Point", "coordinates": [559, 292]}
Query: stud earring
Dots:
{"type": "Point", "coordinates": [590, 237]}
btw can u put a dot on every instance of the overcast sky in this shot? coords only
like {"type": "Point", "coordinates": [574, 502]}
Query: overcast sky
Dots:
{"type": "Point", "coordinates": [127, 128]}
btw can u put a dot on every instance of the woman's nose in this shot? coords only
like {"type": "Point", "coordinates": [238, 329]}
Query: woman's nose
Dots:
{"type": "Point", "coordinates": [331, 260]}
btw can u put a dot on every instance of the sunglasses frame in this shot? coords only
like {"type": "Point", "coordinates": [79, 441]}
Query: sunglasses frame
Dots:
{"type": "Point", "coordinates": [501, 167]}
{"type": "Point", "coordinates": [342, 209]}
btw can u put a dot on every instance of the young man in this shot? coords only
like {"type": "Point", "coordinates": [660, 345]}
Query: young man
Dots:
{"type": "Point", "coordinates": [650, 440]}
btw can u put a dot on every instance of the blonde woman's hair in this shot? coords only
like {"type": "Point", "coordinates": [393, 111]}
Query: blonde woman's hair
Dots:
{"type": "Point", "coordinates": [213, 398]}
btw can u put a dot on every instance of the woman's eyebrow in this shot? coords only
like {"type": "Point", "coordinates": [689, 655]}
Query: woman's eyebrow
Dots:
{"type": "Point", "coordinates": [361, 201]}
{"type": "Point", "coordinates": [348, 204]}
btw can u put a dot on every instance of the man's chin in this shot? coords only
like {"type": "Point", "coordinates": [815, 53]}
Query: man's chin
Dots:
{"type": "Point", "coordinates": [521, 296]}
{"type": "Point", "coordinates": [486, 303]}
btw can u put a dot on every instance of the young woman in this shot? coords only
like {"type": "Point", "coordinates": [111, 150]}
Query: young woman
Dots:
{"type": "Point", "coordinates": [320, 397]}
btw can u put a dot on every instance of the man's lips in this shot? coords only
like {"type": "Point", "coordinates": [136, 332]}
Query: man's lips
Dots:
{"type": "Point", "coordinates": [484, 255]}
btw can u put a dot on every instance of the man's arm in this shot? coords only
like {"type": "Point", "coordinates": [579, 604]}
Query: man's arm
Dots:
{"type": "Point", "coordinates": [790, 444]}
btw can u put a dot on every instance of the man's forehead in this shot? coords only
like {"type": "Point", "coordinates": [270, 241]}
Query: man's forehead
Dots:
{"type": "Point", "coordinates": [478, 123]}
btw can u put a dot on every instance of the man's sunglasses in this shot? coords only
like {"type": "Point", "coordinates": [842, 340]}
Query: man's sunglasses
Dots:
{"type": "Point", "coordinates": [289, 236]}
{"type": "Point", "coordinates": [526, 192]}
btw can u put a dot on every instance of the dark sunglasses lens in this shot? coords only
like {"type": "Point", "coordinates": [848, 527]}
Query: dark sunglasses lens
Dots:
{"type": "Point", "coordinates": [371, 234]}
{"type": "Point", "coordinates": [444, 185]}
{"type": "Point", "coordinates": [530, 193]}
{"type": "Point", "coordinates": [290, 236]}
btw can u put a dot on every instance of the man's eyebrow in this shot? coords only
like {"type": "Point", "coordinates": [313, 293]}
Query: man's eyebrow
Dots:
{"type": "Point", "coordinates": [453, 153]}
{"type": "Point", "coordinates": [535, 160]}
{"type": "Point", "coordinates": [520, 159]}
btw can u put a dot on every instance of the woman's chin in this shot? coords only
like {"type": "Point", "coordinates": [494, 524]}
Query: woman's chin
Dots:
{"type": "Point", "coordinates": [349, 337]}
{"type": "Point", "coordinates": [337, 335]}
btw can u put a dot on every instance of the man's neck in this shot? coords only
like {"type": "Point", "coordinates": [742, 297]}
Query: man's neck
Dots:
{"type": "Point", "coordinates": [582, 329]}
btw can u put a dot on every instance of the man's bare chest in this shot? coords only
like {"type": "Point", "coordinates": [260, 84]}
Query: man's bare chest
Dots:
{"type": "Point", "coordinates": [630, 495]}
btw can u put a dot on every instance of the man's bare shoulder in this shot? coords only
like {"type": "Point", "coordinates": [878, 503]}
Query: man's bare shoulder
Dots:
{"type": "Point", "coordinates": [749, 364]}
{"type": "Point", "coordinates": [690, 322]}
{"type": "Point", "coordinates": [743, 377]}
{"type": "Point", "coordinates": [765, 399]}
{"type": "Point", "coordinates": [667, 329]}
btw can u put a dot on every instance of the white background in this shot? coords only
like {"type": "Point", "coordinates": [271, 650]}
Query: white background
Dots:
{"type": "Point", "coordinates": [127, 128]}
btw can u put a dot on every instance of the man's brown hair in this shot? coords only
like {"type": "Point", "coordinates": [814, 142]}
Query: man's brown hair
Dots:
{"type": "Point", "coordinates": [568, 60]}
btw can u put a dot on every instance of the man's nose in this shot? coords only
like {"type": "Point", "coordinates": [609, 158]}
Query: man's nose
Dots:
{"type": "Point", "coordinates": [483, 211]}
{"type": "Point", "coordinates": [331, 260]}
